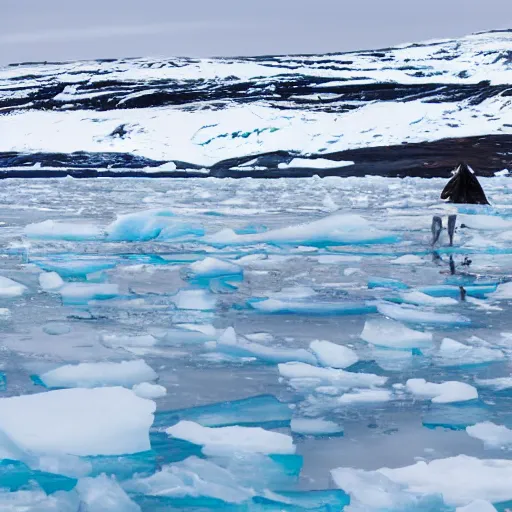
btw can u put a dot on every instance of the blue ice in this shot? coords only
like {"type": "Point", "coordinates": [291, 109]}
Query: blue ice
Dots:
{"type": "Point", "coordinates": [68, 267]}
{"type": "Point", "coordinates": [258, 411]}
{"type": "Point", "coordinates": [478, 291]}
{"type": "Point", "coordinates": [385, 282]}
{"type": "Point", "coordinates": [274, 306]}
{"type": "Point", "coordinates": [454, 417]}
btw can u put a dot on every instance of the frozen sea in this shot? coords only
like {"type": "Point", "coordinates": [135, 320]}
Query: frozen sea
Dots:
{"type": "Point", "coordinates": [198, 344]}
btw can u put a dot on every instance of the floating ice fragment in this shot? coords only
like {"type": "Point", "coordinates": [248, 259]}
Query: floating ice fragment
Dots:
{"type": "Point", "coordinates": [454, 417]}
{"type": "Point", "coordinates": [56, 329]}
{"type": "Point", "coordinates": [333, 355]}
{"type": "Point", "coordinates": [310, 308]}
{"type": "Point", "coordinates": [229, 439]}
{"type": "Point", "coordinates": [446, 392]}
{"type": "Point", "coordinates": [365, 396]}
{"type": "Point", "coordinates": [194, 300]}
{"type": "Point", "coordinates": [408, 259]}
{"type": "Point", "coordinates": [498, 384]}
{"type": "Point", "coordinates": [78, 293]}
{"type": "Point", "coordinates": [80, 267]}
{"type": "Point", "coordinates": [100, 421]}
{"type": "Point", "coordinates": [305, 376]}
{"type": "Point", "coordinates": [91, 375]}
{"type": "Point", "coordinates": [148, 390]}
{"type": "Point", "coordinates": [50, 281]}
{"type": "Point", "coordinates": [454, 353]}
{"type": "Point", "coordinates": [293, 293]}
{"type": "Point", "coordinates": [38, 501]}
{"type": "Point", "coordinates": [493, 436]}
{"type": "Point", "coordinates": [477, 505]}
{"type": "Point", "coordinates": [230, 343]}
{"type": "Point", "coordinates": [213, 267]}
{"type": "Point", "coordinates": [262, 411]}
{"type": "Point", "coordinates": [384, 282]}
{"type": "Point", "coordinates": [51, 230]}
{"type": "Point", "coordinates": [503, 292]}
{"type": "Point", "coordinates": [422, 299]}
{"type": "Point", "coordinates": [103, 494]}
{"type": "Point", "coordinates": [148, 225]}
{"type": "Point", "coordinates": [419, 316]}
{"type": "Point", "coordinates": [10, 288]}
{"type": "Point", "coordinates": [389, 333]}
{"type": "Point", "coordinates": [335, 229]}
{"type": "Point", "coordinates": [315, 427]}
{"type": "Point", "coordinates": [480, 290]}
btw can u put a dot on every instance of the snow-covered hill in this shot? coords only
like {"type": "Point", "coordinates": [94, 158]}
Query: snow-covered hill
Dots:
{"type": "Point", "coordinates": [411, 110]}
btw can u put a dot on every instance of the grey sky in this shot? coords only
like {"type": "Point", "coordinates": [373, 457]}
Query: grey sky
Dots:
{"type": "Point", "coordinates": [67, 29]}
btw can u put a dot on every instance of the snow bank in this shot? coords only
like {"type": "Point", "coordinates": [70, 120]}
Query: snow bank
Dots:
{"type": "Point", "coordinates": [446, 392]}
{"type": "Point", "coordinates": [228, 439]}
{"type": "Point", "coordinates": [71, 231]}
{"type": "Point", "coordinates": [91, 375]}
{"type": "Point", "coordinates": [392, 334]}
{"type": "Point", "coordinates": [335, 229]}
{"type": "Point", "coordinates": [333, 355]}
{"type": "Point", "coordinates": [100, 421]}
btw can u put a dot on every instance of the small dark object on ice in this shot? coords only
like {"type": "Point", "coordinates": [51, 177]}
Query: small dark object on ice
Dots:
{"type": "Point", "coordinates": [452, 219]}
{"type": "Point", "coordinates": [466, 262]}
{"type": "Point", "coordinates": [464, 188]}
{"type": "Point", "coordinates": [462, 293]}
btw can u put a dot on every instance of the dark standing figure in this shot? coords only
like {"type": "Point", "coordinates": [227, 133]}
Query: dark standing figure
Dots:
{"type": "Point", "coordinates": [463, 188]}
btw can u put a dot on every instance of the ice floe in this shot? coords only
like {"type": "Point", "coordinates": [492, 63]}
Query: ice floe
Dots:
{"type": "Point", "coordinates": [443, 393]}
{"type": "Point", "coordinates": [50, 281]}
{"type": "Point", "coordinates": [454, 353]}
{"type": "Point", "coordinates": [332, 355]}
{"type": "Point", "coordinates": [384, 332]}
{"type": "Point", "coordinates": [315, 427]}
{"type": "Point", "coordinates": [493, 436]}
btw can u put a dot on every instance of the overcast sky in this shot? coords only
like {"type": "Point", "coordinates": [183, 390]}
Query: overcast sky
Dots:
{"type": "Point", "coordinates": [38, 30]}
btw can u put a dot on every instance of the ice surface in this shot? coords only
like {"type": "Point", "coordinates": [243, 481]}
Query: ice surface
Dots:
{"type": "Point", "coordinates": [422, 299]}
{"type": "Point", "coordinates": [419, 316]}
{"type": "Point", "coordinates": [38, 501]}
{"type": "Point", "coordinates": [148, 390]}
{"type": "Point", "coordinates": [230, 343]}
{"type": "Point", "coordinates": [149, 225]}
{"type": "Point", "coordinates": [50, 281]}
{"type": "Point", "coordinates": [333, 355]}
{"type": "Point", "coordinates": [100, 421]}
{"type": "Point", "coordinates": [498, 384]}
{"type": "Point", "coordinates": [10, 288]}
{"type": "Point", "coordinates": [477, 506]}
{"type": "Point", "coordinates": [503, 292]}
{"type": "Point", "coordinates": [315, 427]}
{"type": "Point", "coordinates": [454, 353]}
{"type": "Point", "coordinates": [384, 282]}
{"type": "Point", "coordinates": [219, 440]}
{"type": "Point", "coordinates": [91, 375]}
{"type": "Point", "coordinates": [443, 393]}
{"type": "Point", "coordinates": [264, 411]}
{"type": "Point", "coordinates": [493, 436]}
{"type": "Point", "coordinates": [123, 341]}
{"type": "Point", "coordinates": [319, 308]}
{"type": "Point", "coordinates": [336, 229]}
{"type": "Point", "coordinates": [408, 259]}
{"type": "Point", "coordinates": [213, 267]}
{"type": "Point", "coordinates": [302, 375]}
{"type": "Point", "coordinates": [195, 300]}
{"type": "Point", "coordinates": [364, 396]}
{"type": "Point", "coordinates": [78, 267]}
{"type": "Point", "coordinates": [104, 494]}
{"type": "Point", "coordinates": [79, 293]}
{"type": "Point", "coordinates": [317, 163]}
{"type": "Point", "coordinates": [390, 333]}
{"type": "Point", "coordinates": [51, 230]}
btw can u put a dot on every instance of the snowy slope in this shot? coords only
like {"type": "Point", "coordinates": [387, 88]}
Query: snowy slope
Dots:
{"type": "Point", "coordinates": [413, 109]}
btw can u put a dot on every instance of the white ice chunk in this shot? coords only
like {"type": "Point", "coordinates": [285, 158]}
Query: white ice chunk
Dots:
{"type": "Point", "coordinates": [72, 231]}
{"type": "Point", "coordinates": [50, 281]}
{"type": "Point", "coordinates": [454, 353]}
{"type": "Point", "coordinates": [39, 501]}
{"type": "Point", "coordinates": [315, 427]}
{"type": "Point", "coordinates": [392, 334]}
{"type": "Point", "coordinates": [104, 494]}
{"type": "Point", "coordinates": [446, 392]}
{"type": "Point", "coordinates": [227, 439]}
{"type": "Point", "coordinates": [460, 479]}
{"type": "Point", "coordinates": [422, 299]}
{"type": "Point", "coordinates": [305, 376]}
{"type": "Point", "coordinates": [91, 375]}
{"type": "Point", "coordinates": [315, 163]}
{"type": "Point", "coordinates": [77, 292]}
{"type": "Point", "coordinates": [333, 355]}
{"type": "Point", "coordinates": [230, 343]}
{"type": "Point", "coordinates": [503, 292]}
{"type": "Point", "coordinates": [213, 267]}
{"type": "Point", "coordinates": [340, 229]}
{"type": "Point", "coordinates": [498, 384]}
{"type": "Point", "coordinates": [493, 436]}
{"type": "Point", "coordinates": [408, 259]}
{"type": "Point", "coordinates": [293, 293]}
{"type": "Point", "coordinates": [10, 288]}
{"type": "Point", "coordinates": [194, 300]}
{"type": "Point", "coordinates": [100, 421]}
{"type": "Point", "coordinates": [477, 505]}
{"type": "Point", "coordinates": [148, 390]}
{"type": "Point", "coordinates": [364, 396]}
{"type": "Point", "coordinates": [418, 316]}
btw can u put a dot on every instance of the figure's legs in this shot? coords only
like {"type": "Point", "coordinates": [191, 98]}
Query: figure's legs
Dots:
{"type": "Point", "coordinates": [451, 227]}
{"type": "Point", "coordinates": [437, 226]}
{"type": "Point", "coordinates": [452, 266]}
